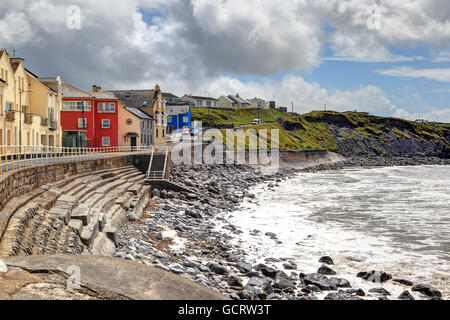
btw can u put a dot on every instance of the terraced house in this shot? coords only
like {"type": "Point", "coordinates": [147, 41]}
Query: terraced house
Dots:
{"type": "Point", "coordinates": [29, 109]}
{"type": "Point", "coordinates": [153, 103]}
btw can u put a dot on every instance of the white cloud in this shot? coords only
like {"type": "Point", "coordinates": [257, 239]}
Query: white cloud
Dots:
{"type": "Point", "coordinates": [442, 75]}
{"type": "Point", "coordinates": [196, 42]}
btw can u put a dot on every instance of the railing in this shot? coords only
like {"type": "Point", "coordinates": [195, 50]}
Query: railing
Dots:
{"type": "Point", "coordinates": [156, 175]}
{"type": "Point", "coordinates": [16, 157]}
{"type": "Point", "coordinates": [11, 115]}
{"type": "Point", "coordinates": [28, 118]}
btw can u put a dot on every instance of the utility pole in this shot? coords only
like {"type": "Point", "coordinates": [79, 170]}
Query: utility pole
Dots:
{"type": "Point", "coordinates": [325, 107]}
{"type": "Point", "coordinates": [292, 106]}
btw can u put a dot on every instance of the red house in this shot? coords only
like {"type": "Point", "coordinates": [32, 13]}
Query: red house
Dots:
{"type": "Point", "coordinates": [100, 113]}
{"type": "Point", "coordinates": [106, 118]}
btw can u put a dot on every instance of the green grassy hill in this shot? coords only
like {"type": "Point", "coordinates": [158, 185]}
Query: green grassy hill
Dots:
{"type": "Point", "coordinates": [347, 133]}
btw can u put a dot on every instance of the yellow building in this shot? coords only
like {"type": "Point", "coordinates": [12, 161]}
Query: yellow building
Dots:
{"type": "Point", "coordinates": [158, 112]}
{"type": "Point", "coordinates": [129, 128]}
{"type": "Point", "coordinates": [29, 110]}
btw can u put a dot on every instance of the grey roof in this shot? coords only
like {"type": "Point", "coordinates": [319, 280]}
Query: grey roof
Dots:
{"type": "Point", "coordinates": [238, 99]}
{"type": "Point", "coordinates": [103, 95]}
{"type": "Point", "coordinates": [70, 91]}
{"type": "Point", "coordinates": [139, 113]}
{"type": "Point", "coordinates": [136, 98]}
{"type": "Point", "coordinates": [200, 97]}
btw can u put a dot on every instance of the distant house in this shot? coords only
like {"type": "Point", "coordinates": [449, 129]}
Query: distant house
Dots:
{"type": "Point", "coordinates": [178, 116]}
{"type": "Point", "coordinates": [145, 125]}
{"type": "Point", "coordinates": [258, 103]}
{"type": "Point", "coordinates": [198, 101]}
{"type": "Point", "coordinates": [233, 102]}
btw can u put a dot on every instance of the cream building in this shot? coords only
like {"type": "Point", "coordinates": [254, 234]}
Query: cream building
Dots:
{"type": "Point", "coordinates": [29, 110]}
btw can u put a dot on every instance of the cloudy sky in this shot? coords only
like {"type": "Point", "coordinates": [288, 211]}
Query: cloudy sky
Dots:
{"type": "Point", "coordinates": [387, 57]}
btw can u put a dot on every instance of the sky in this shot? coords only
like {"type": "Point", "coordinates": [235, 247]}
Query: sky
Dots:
{"type": "Point", "coordinates": [386, 57]}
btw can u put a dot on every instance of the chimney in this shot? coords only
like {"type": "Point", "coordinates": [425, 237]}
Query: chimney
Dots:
{"type": "Point", "coordinates": [96, 88]}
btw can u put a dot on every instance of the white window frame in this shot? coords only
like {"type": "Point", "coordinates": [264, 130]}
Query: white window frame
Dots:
{"type": "Point", "coordinates": [103, 124]}
{"type": "Point", "coordinates": [103, 142]}
{"type": "Point", "coordinates": [80, 123]}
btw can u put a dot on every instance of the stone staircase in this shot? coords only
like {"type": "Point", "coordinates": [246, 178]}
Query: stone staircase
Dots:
{"type": "Point", "coordinates": [78, 213]}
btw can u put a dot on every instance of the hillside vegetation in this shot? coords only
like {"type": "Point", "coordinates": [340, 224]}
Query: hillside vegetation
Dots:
{"type": "Point", "coordinates": [350, 133]}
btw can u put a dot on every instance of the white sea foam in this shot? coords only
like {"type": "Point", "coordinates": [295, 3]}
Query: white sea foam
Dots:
{"type": "Point", "coordinates": [392, 219]}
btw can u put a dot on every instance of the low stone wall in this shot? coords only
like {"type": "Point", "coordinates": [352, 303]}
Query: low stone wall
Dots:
{"type": "Point", "coordinates": [19, 182]}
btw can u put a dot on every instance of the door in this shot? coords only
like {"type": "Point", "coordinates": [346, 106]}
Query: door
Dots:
{"type": "Point", "coordinates": [133, 143]}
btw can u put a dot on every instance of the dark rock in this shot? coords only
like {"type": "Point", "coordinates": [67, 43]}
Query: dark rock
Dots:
{"type": "Point", "coordinates": [267, 288]}
{"type": "Point", "coordinates": [289, 266]}
{"type": "Point", "coordinates": [381, 291]}
{"type": "Point", "coordinates": [404, 282]}
{"type": "Point", "coordinates": [318, 280]}
{"type": "Point", "coordinates": [244, 267]}
{"type": "Point", "coordinates": [156, 193]}
{"type": "Point", "coordinates": [375, 276]}
{"type": "Point", "coordinates": [427, 290]}
{"type": "Point", "coordinates": [405, 295]}
{"type": "Point", "coordinates": [324, 269]}
{"type": "Point", "coordinates": [256, 282]}
{"type": "Point", "coordinates": [217, 268]}
{"type": "Point", "coordinates": [234, 281]}
{"type": "Point", "coordinates": [193, 214]}
{"type": "Point", "coordinates": [266, 270]}
{"type": "Point", "coordinates": [326, 260]}
{"type": "Point", "coordinates": [341, 295]}
{"type": "Point", "coordinates": [340, 283]}
{"type": "Point", "coordinates": [283, 284]}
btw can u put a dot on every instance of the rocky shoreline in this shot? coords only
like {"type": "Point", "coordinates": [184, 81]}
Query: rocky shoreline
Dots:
{"type": "Point", "coordinates": [179, 235]}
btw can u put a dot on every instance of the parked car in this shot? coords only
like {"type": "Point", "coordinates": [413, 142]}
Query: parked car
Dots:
{"type": "Point", "coordinates": [257, 121]}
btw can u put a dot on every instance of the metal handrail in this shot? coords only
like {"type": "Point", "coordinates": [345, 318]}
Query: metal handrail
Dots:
{"type": "Point", "coordinates": [14, 157]}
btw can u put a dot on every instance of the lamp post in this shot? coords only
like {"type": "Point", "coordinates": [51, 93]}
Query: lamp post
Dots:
{"type": "Point", "coordinates": [20, 117]}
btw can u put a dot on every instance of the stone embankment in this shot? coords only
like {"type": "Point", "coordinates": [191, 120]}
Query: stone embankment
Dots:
{"type": "Point", "coordinates": [76, 215]}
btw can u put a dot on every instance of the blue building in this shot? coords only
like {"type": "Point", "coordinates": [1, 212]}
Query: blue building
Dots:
{"type": "Point", "coordinates": [178, 116]}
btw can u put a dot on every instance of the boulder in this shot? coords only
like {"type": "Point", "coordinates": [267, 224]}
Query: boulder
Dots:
{"type": "Point", "coordinates": [404, 282]}
{"type": "Point", "coordinates": [244, 267]}
{"type": "Point", "coordinates": [217, 268]}
{"type": "Point", "coordinates": [234, 281]}
{"type": "Point", "coordinates": [318, 280]}
{"type": "Point", "coordinates": [405, 295]}
{"type": "Point", "coordinates": [283, 284]}
{"type": "Point", "coordinates": [326, 260]}
{"type": "Point", "coordinates": [427, 290]}
{"type": "Point", "coordinates": [341, 295]}
{"type": "Point", "coordinates": [375, 276]}
{"type": "Point", "coordinates": [340, 283]}
{"type": "Point", "coordinates": [324, 269]}
{"type": "Point", "coordinates": [381, 291]}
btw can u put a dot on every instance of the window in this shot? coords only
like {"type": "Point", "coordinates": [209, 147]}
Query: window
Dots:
{"type": "Point", "coordinates": [106, 141]}
{"type": "Point", "coordinates": [143, 124]}
{"type": "Point", "coordinates": [185, 119]}
{"type": "Point", "coordinates": [169, 118]}
{"type": "Point", "coordinates": [106, 124]}
{"type": "Point", "coordinates": [157, 130]}
{"type": "Point", "coordinates": [76, 105]}
{"type": "Point", "coordinates": [208, 104]}
{"type": "Point", "coordinates": [106, 107]}
{"type": "Point", "coordinates": [82, 124]}
{"type": "Point", "coordinates": [199, 102]}
{"type": "Point", "coordinates": [8, 107]}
